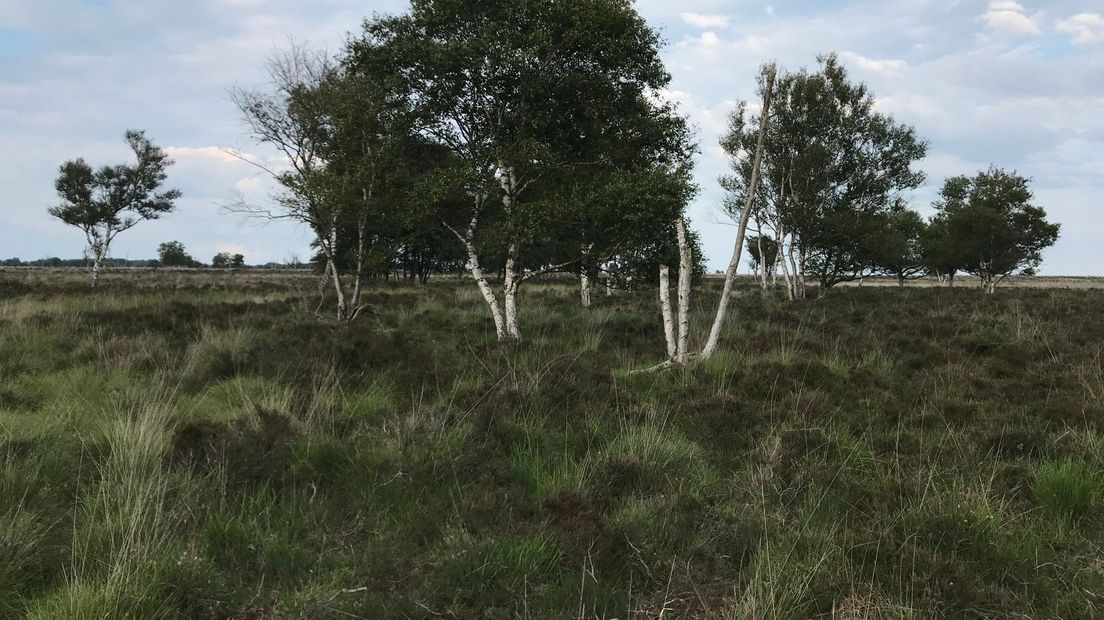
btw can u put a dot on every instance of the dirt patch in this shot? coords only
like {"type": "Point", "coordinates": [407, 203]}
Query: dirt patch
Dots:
{"type": "Point", "coordinates": [579, 520]}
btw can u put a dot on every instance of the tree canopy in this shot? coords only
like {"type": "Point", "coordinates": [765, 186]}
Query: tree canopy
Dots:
{"type": "Point", "coordinates": [112, 199]}
{"type": "Point", "coordinates": [990, 227]}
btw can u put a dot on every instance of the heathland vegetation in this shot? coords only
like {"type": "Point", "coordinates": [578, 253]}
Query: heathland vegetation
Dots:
{"type": "Point", "coordinates": [201, 445]}
{"type": "Point", "coordinates": [338, 443]}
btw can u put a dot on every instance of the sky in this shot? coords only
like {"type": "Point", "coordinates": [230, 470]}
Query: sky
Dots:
{"type": "Point", "coordinates": [1016, 84]}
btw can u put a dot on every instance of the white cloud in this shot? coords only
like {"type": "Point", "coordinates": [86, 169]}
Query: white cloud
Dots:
{"type": "Point", "coordinates": [1086, 28]}
{"type": "Point", "coordinates": [204, 152]}
{"type": "Point", "coordinates": [871, 64]}
{"type": "Point", "coordinates": [1008, 17]}
{"type": "Point", "coordinates": [699, 20]}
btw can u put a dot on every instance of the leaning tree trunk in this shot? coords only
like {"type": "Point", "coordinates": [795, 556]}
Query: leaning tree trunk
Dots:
{"type": "Point", "coordinates": [686, 269]}
{"type": "Point", "coordinates": [665, 310]}
{"type": "Point", "coordinates": [468, 241]}
{"type": "Point", "coordinates": [738, 250]}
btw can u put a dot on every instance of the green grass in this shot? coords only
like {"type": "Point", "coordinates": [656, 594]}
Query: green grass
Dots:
{"type": "Point", "coordinates": [190, 445]}
{"type": "Point", "coordinates": [1068, 488]}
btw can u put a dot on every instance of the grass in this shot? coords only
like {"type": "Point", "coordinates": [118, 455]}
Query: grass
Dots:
{"type": "Point", "coordinates": [198, 445]}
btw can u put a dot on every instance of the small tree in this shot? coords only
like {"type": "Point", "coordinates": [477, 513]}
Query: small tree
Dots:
{"type": "Point", "coordinates": [173, 254]}
{"type": "Point", "coordinates": [764, 252]}
{"type": "Point", "coordinates": [105, 202]}
{"type": "Point", "coordinates": [993, 225]}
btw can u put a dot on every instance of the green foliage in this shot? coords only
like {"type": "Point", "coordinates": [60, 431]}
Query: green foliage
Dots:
{"type": "Point", "coordinates": [173, 254]}
{"type": "Point", "coordinates": [833, 170]}
{"type": "Point", "coordinates": [105, 202]}
{"type": "Point", "coordinates": [1068, 488]}
{"type": "Point", "coordinates": [988, 227]}
{"type": "Point", "coordinates": [562, 157]}
{"type": "Point", "coordinates": [226, 260]}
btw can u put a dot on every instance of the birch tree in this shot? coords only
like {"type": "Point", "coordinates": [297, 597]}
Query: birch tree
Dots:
{"type": "Point", "coordinates": [833, 168]}
{"type": "Point", "coordinates": [113, 199]}
{"type": "Point", "coordinates": [767, 79]}
{"type": "Point", "coordinates": [525, 94]}
{"type": "Point", "coordinates": [993, 225]}
{"type": "Point", "coordinates": [340, 137]}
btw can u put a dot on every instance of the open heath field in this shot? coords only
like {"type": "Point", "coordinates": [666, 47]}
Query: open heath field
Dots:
{"type": "Point", "coordinates": [203, 445]}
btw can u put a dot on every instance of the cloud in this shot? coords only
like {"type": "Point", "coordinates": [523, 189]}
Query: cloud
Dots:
{"type": "Point", "coordinates": [705, 21]}
{"type": "Point", "coordinates": [205, 152]}
{"type": "Point", "coordinates": [871, 64]}
{"type": "Point", "coordinates": [1008, 17]}
{"type": "Point", "coordinates": [1086, 28]}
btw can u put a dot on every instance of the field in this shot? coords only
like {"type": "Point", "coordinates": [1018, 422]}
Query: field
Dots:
{"type": "Point", "coordinates": [202, 445]}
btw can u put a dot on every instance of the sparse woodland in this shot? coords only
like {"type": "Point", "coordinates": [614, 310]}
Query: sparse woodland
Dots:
{"type": "Point", "coordinates": [507, 388]}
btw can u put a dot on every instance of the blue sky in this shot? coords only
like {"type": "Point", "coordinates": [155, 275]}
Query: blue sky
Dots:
{"type": "Point", "coordinates": [1015, 83]}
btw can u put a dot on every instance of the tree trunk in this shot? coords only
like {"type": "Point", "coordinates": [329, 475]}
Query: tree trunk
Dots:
{"type": "Point", "coordinates": [762, 259]}
{"type": "Point", "coordinates": [97, 264]}
{"type": "Point", "coordinates": [511, 277]}
{"type": "Point", "coordinates": [359, 273]}
{"type": "Point", "coordinates": [511, 282]}
{"type": "Point", "coordinates": [738, 250]}
{"type": "Point", "coordinates": [584, 289]}
{"type": "Point", "coordinates": [468, 241]}
{"type": "Point", "coordinates": [786, 273]}
{"type": "Point", "coordinates": [665, 310]}
{"type": "Point", "coordinates": [686, 268]}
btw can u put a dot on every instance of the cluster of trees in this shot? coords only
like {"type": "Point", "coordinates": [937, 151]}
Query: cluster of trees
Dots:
{"type": "Point", "coordinates": [173, 254]}
{"type": "Point", "coordinates": [527, 135]}
{"type": "Point", "coordinates": [830, 205]}
{"type": "Point", "coordinates": [517, 139]}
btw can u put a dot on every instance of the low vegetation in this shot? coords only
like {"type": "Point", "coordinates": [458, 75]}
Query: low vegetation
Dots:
{"type": "Point", "coordinates": [202, 445]}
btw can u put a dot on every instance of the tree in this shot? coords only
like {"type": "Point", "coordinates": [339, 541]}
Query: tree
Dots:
{"type": "Point", "coordinates": [763, 251]}
{"type": "Point", "coordinates": [346, 137]}
{"type": "Point", "coordinates": [226, 260]}
{"type": "Point", "coordinates": [898, 248]}
{"type": "Point", "coordinates": [173, 254]}
{"type": "Point", "coordinates": [753, 167]}
{"type": "Point", "coordinates": [528, 96]}
{"type": "Point", "coordinates": [832, 168]}
{"type": "Point", "coordinates": [994, 227]}
{"type": "Point", "coordinates": [942, 258]}
{"type": "Point", "coordinates": [111, 200]}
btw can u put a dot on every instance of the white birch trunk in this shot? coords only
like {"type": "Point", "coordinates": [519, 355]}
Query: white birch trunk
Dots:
{"type": "Point", "coordinates": [512, 277]}
{"type": "Point", "coordinates": [97, 264]}
{"type": "Point", "coordinates": [790, 284]}
{"type": "Point", "coordinates": [685, 273]}
{"type": "Point", "coordinates": [738, 250]}
{"type": "Point", "coordinates": [480, 278]}
{"type": "Point", "coordinates": [665, 310]}
{"type": "Point", "coordinates": [509, 293]}
{"type": "Point", "coordinates": [342, 308]}
{"type": "Point", "coordinates": [584, 289]}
